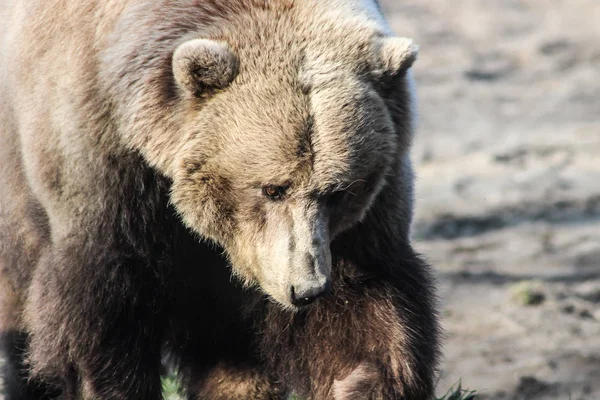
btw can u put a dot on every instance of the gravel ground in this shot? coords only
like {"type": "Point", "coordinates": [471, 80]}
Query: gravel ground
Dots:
{"type": "Point", "coordinates": [508, 191]}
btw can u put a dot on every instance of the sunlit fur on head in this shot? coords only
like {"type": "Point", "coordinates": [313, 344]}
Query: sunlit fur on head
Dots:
{"type": "Point", "coordinates": [309, 109]}
{"type": "Point", "coordinates": [313, 97]}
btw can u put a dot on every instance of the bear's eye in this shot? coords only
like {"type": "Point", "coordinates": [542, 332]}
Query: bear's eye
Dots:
{"type": "Point", "coordinates": [336, 198]}
{"type": "Point", "coordinates": [274, 192]}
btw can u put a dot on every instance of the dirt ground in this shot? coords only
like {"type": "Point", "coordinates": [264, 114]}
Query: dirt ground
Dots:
{"type": "Point", "coordinates": [508, 192]}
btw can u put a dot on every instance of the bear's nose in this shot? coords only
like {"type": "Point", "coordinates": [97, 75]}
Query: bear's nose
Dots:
{"type": "Point", "coordinates": [303, 294]}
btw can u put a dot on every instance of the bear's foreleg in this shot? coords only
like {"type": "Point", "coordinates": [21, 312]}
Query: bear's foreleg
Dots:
{"type": "Point", "coordinates": [375, 337]}
{"type": "Point", "coordinates": [96, 323]}
{"type": "Point", "coordinates": [226, 381]}
{"type": "Point", "coordinates": [217, 358]}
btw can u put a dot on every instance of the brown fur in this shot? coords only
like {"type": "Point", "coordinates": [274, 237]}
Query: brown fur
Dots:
{"type": "Point", "coordinates": [131, 176]}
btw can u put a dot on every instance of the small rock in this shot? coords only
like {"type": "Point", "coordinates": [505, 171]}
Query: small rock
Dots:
{"type": "Point", "coordinates": [568, 309]}
{"type": "Point", "coordinates": [554, 47]}
{"type": "Point", "coordinates": [530, 387]}
{"type": "Point", "coordinates": [586, 314]}
{"type": "Point", "coordinates": [490, 67]}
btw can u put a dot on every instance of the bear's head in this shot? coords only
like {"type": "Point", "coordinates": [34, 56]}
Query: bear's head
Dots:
{"type": "Point", "coordinates": [293, 124]}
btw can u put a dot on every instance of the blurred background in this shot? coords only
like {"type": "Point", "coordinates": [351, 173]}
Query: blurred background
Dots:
{"type": "Point", "coordinates": [508, 193]}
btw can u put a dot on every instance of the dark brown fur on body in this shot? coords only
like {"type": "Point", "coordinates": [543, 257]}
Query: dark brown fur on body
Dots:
{"type": "Point", "coordinates": [125, 158]}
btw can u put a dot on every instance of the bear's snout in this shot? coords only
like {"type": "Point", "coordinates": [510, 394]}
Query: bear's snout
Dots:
{"type": "Point", "coordinates": [306, 292]}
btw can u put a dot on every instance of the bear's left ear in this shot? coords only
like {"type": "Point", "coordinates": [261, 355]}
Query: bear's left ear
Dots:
{"type": "Point", "coordinates": [397, 54]}
{"type": "Point", "coordinates": [201, 64]}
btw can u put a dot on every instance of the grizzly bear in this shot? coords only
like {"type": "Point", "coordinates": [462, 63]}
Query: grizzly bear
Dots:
{"type": "Point", "coordinates": [151, 150]}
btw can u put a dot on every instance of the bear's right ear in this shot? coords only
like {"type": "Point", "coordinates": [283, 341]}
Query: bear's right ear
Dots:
{"type": "Point", "coordinates": [201, 64]}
